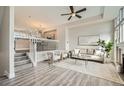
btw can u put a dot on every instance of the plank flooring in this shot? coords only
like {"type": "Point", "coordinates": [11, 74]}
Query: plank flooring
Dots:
{"type": "Point", "coordinates": [43, 75]}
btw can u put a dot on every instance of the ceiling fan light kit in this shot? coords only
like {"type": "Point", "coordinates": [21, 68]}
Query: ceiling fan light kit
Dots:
{"type": "Point", "coordinates": [73, 13]}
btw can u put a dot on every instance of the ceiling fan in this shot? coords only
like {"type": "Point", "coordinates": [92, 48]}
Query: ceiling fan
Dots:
{"type": "Point", "coordinates": [73, 13]}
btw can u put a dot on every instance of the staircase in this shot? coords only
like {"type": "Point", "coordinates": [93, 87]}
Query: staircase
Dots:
{"type": "Point", "coordinates": [22, 61]}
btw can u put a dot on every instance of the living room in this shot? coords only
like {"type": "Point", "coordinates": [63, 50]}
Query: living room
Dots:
{"type": "Point", "coordinates": [47, 39]}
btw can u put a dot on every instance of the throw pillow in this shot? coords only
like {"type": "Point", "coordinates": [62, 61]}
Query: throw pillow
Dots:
{"type": "Point", "coordinates": [83, 51]}
{"type": "Point", "coordinates": [76, 51]}
{"type": "Point", "coordinates": [91, 51]}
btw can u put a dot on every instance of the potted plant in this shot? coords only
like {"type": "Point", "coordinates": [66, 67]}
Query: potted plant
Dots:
{"type": "Point", "coordinates": [107, 46]}
{"type": "Point", "coordinates": [101, 43]}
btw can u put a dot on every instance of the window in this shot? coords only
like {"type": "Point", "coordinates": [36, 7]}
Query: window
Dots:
{"type": "Point", "coordinates": [117, 35]}
{"type": "Point", "coordinates": [120, 14]}
{"type": "Point", "coordinates": [119, 26]}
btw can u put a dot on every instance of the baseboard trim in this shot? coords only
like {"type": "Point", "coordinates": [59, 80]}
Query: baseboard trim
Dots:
{"type": "Point", "coordinates": [9, 75]}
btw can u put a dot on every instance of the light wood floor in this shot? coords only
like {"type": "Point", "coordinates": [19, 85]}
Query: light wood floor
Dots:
{"type": "Point", "coordinates": [43, 75]}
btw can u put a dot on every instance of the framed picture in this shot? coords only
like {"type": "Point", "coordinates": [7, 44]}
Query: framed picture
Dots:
{"type": "Point", "coordinates": [88, 40]}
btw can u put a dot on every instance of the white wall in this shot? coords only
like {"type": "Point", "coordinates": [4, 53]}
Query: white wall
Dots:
{"type": "Point", "coordinates": [104, 29]}
{"type": "Point", "coordinates": [22, 44]}
{"type": "Point", "coordinates": [61, 36]}
{"type": "Point", "coordinates": [7, 43]}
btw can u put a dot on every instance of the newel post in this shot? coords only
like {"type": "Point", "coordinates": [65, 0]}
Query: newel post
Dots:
{"type": "Point", "coordinates": [33, 52]}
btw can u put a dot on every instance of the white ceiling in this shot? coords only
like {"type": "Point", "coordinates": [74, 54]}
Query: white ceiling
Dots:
{"type": "Point", "coordinates": [49, 16]}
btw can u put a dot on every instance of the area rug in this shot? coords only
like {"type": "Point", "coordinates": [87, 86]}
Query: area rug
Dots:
{"type": "Point", "coordinates": [104, 71]}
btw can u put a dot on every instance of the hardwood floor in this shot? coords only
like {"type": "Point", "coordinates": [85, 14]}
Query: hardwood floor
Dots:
{"type": "Point", "coordinates": [43, 75]}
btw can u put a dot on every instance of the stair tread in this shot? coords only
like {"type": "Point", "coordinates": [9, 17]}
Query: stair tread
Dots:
{"type": "Point", "coordinates": [20, 64]}
{"type": "Point", "coordinates": [19, 54]}
{"type": "Point", "coordinates": [22, 60]}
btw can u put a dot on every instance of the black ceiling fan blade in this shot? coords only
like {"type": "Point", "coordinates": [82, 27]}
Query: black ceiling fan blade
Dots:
{"type": "Point", "coordinates": [69, 18]}
{"type": "Point", "coordinates": [65, 14]}
{"type": "Point", "coordinates": [78, 16]}
{"type": "Point", "coordinates": [72, 9]}
{"type": "Point", "coordinates": [84, 9]}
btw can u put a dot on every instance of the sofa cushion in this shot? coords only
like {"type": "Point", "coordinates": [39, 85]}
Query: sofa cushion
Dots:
{"type": "Point", "coordinates": [91, 51]}
{"type": "Point", "coordinates": [83, 51]}
{"type": "Point", "coordinates": [97, 58]}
